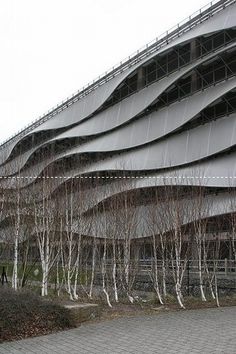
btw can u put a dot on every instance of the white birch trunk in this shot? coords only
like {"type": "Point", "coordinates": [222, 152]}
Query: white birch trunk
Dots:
{"type": "Point", "coordinates": [163, 265]}
{"type": "Point", "coordinates": [176, 267]}
{"type": "Point", "coordinates": [203, 297]}
{"type": "Point", "coordinates": [104, 275]}
{"type": "Point", "coordinates": [75, 295]}
{"type": "Point", "coordinates": [207, 269]}
{"type": "Point", "coordinates": [216, 292]}
{"type": "Point", "coordinates": [92, 271]}
{"type": "Point", "coordinates": [15, 262]}
{"type": "Point", "coordinates": [16, 245]}
{"type": "Point", "coordinates": [114, 275]}
{"type": "Point", "coordinates": [127, 269]}
{"type": "Point", "coordinates": [199, 243]}
{"type": "Point", "coordinates": [156, 281]}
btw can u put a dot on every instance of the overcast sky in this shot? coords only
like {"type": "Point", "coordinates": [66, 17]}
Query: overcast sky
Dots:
{"type": "Point", "coordinates": [51, 48]}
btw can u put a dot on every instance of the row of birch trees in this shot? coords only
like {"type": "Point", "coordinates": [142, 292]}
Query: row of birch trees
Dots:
{"type": "Point", "coordinates": [83, 234]}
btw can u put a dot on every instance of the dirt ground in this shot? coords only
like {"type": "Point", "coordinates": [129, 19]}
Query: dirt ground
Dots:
{"type": "Point", "coordinates": [136, 309]}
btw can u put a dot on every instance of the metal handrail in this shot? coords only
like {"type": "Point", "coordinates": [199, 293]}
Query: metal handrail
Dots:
{"type": "Point", "coordinates": [220, 266]}
{"type": "Point", "coordinates": [164, 39]}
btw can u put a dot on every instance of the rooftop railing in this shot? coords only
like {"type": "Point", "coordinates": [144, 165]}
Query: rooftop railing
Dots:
{"type": "Point", "coordinates": [165, 38]}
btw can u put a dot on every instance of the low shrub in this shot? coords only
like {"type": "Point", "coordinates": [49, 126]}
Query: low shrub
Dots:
{"type": "Point", "coordinates": [24, 314]}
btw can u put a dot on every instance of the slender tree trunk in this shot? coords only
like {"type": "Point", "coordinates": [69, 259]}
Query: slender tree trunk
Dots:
{"type": "Point", "coordinates": [104, 274]}
{"type": "Point", "coordinates": [15, 264]}
{"type": "Point", "coordinates": [207, 269]}
{"type": "Point", "coordinates": [163, 264]}
{"type": "Point", "coordinates": [216, 292]}
{"type": "Point", "coordinates": [92, 270]}
{"type": "Point", "coordinates": [156, 280]}
{"type": "Point", "coordinates": [16, 245]}
{"type": "Point", "coordinates": [43, 276]}
{"type": "Point", "coordinates": [176, 267]}
{"type": "Point", "coordinates": [114, 275]}
{"type": "Point", "coordinates": [69, 269]}
{"type": "Point", "coordinates": [75, 295]}
{"type": "Point", "coordinates": [24, 265]}
{"type": "Point", "coordinates": [203, 297]}
{"type": "Point", "coordinates": [127, 268]}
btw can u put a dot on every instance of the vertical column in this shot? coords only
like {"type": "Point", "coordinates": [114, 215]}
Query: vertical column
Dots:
{"type": "Point", "coordinates": [141, 78]}
{"type": "Point", "coordinates": [193, 56]}
{"type": "Point", "coordinates": [136, 254]}
{"type": "Point", "coordinates": [32, 141]}
{"type": "Point", "coordinates": [193, 248]}
{"type": "Point", "coordinates": [51, 168]}
{"type": "Point", "coordinates": [52, 149]}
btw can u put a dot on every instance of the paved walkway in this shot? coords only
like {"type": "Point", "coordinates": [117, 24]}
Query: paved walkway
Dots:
{"type": "Point", "coordinates": [199, 331]}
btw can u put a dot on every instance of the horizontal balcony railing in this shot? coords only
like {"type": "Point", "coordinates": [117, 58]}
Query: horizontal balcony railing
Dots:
{"type": "Point", "coordinates": [221, 266]}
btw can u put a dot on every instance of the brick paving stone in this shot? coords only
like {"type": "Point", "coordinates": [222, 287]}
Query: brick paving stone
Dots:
{"type": "Point", "coordinates": [186, 332]}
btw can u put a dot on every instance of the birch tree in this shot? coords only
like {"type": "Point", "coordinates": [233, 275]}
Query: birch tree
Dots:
{"type": "Point", "coordinates": [17, 222]}
{"type": "Point", "coordinates": [127, 226]}
{"type": "Point", "coordinates": [45, 228]}
{"type": "Point", "coordinates": [159, 245]}
{"type": "Point", "coordinates": [175, 214]}
{"type": "Point", "coordinates": [200, 210]}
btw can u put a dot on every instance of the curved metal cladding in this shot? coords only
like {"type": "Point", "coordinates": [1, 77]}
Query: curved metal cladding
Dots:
{"type": "Point", "coordinates": [220, 205]}
{"type": "Point", "coordinates": [122, 135]}
{"type": "Point", "coordinates": [168, 119]}
{"type": "Point", "coordinates": [156, 124]}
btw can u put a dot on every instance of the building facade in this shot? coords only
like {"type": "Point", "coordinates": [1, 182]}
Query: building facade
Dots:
{"type": "Point", "coordinates": [161, 124]}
